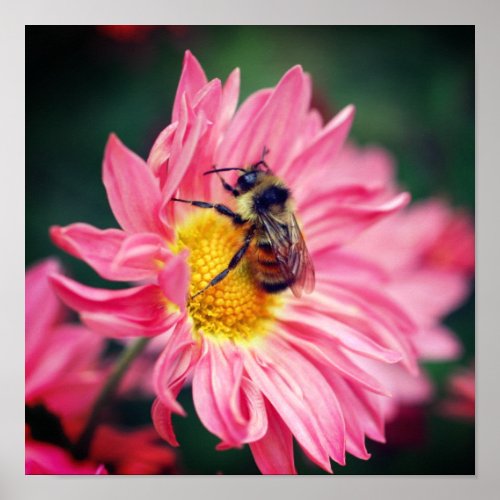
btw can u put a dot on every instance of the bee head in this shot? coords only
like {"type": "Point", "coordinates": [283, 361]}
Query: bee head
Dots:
{"type": "Point", "coordinates": [251, 176]}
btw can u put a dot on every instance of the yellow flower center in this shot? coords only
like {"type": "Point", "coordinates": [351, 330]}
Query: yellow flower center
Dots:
{"type": "Point", "coordinates": [236, 308]}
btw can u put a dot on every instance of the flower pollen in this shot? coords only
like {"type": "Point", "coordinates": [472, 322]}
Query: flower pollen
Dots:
{"type": "Point", "coordinates": [236, 308]}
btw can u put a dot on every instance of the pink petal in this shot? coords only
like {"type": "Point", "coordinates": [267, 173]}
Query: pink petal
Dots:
{"type": "Point", "coordinates": [330, 226]}
{"type": "Point", "coordinates": [174, 365]}
{"type": "Point", "coordinates": [162, 148]}
{"type": "Point", "coordinates": [162, 421]}
{"type": "Point", "coordinates": [43, 309]}
{"type": "Point", "coordinates": [174, 279]}
{"type": "Point", "coordinates": [230, 94]}
{"type": "Point", "coordinates": [275, 125]}
{"type": "Point", "coordinates": [429, 294]}
{"type": "Point", "coordinates": [301, 396]}
{"type": "Point", "coordinates": [334, 197]}
{"type": "Point", "coordinates": [462, 402]}
{"type": "Point", "coordinates": [208, 99]}
{"type": "Point", "coordinates": [101, 471]}
{"type": "Point", "coordinates": [111, 252]}
{"type": "Point", "coordinates": [335, 358]}
{"type": "Point", "coordinates": [370, 166]}
{"type": "Point", "coordinates": [69, 350]}
{"type": "Point", "coordinates": [217, 105]}
{"type": "Point", "coordinates": [87, 299]}
{"type": "Point", "coordinates": [312, 125]}
{"type": "Point", "coordinates": [329, 333]}
{"type": "Point", "coordinates": [47, 459]}
{"type": "Point", "coordinates": [322, 151]}
{"type": "Point", "coordinates": [183, 156]}
{"type": "Point", "coordinates": [273, 453]}
{"type": "Point", "coordinates": [244, 115]}
{"type": "Point", "coordinates": [191, 81]}
{"type": "Point", "coordinates": [373, 405]}
{"type": "Point", "coordinates": [114, 326]}
{"type": "Point", "coordinates": [207, 385]}
{"type": "Point", "coordinates": [227, 446]}
{"type": "Point", "coordinates": [195, 185]}
{"type": "Point", "coordinates": [379, 317]}
{"type": "Point", "coordinates": [399, 242]}
{"type": "Point", "coordinates": [369, 312]}
{"type": "Point", "coordinates": [141, 255]}
{"type": "Point", "coordinates": [228, 404]}
{"type": "Point", "coordinates": [75, 396]}
{"type": "Point", "coordinates": [463, 383]}
{"type": "Point", "coordinates": [373, 302]}
{"type": "Point", "coordinates": [139, 311]}
{"type": "Point", "coordinates": [406, 388]}
{"type": "Point", "coordinates": [437, 343]}
{"type": "Point", "coordinates": [360, 415]}
{"type": "Point", "coordinates": [455, 248]}
{"type": "Point", "coordinates": [135, 451]}
{"type": "Point", "coordinates": [193, 144]}
{"type": "Point", "coordinates": [95, 246]}
{"type": "Point", "coordinates": [133, 193]}
{"type": "Point", "coordinates": [347, 265]}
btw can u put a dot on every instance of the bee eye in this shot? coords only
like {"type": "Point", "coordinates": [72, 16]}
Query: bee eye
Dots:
{"type": "Point", "coordinates": [247, 181]}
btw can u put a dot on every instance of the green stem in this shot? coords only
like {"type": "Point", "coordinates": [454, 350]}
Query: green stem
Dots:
{"type": "Point", "coordinates": [82, 446]}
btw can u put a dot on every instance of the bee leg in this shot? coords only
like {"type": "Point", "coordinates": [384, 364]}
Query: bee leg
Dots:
{"type": "Point", "coordinates": [222, 209]}
{"type": "Point", "coordinates": [235, 260]}
{"type": "Point", "coordinates": [226, 185]}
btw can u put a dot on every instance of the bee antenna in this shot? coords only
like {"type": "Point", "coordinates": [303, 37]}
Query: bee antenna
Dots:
{"type": "Point", "coordinates": [222, 170]}
{"type": "Point", "coordinates": [256, 166]}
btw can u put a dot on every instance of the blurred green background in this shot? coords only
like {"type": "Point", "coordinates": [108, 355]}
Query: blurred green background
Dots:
{"type": "Point", "coordinates": [414, 92]}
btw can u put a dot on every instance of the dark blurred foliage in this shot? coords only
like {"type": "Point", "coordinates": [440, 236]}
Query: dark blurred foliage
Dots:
{"type": "Point", "coordinates": [414, 92]}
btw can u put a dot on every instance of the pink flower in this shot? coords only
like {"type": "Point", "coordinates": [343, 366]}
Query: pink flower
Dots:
{"type": "Point", "coordinates": [61, 357]}
{"type": "Point", "coordinates": [462, 403]}
{"type": "Point", "coordinates": [264, 367]}
{"type": "Point", "coordinates": [425, 258]}
{"type": "Point", "coordinates": [63, 377]}
{"type": "Point", "coordinates": [436, 278]}
{"type": "Point", "coordinates": [57, 374]}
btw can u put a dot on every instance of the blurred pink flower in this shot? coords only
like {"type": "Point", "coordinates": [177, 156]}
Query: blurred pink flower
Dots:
{"type": "Point", "coordinates": [134, 452]}
{"type": "Point", "coordinates": [61, 357]}
{"type": "Point", "coordinates": [462, 403]}
{"type": "Point", "coordinates": [47, 459]}
{"type": "Point", "coordinates": [264, 367]}
{"type": "Point", "coordinates": [57, 374]}
{"type": "Point", "coordinates": [126, 32]}
{"type": "Point", "coordinates": [126, 451]}
{"type": "Point", "coordinates": [140, 32]}
{"type": "Point", "coordinates": [63, 377]}
{"type": "Point", "coordinates": [425, 258]}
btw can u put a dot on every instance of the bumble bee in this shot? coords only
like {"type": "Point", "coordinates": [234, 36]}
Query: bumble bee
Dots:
{"type": "Point", "coordinates": [276, 248]}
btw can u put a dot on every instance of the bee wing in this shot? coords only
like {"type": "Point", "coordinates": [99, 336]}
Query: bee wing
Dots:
{"type": "Point", "coordinates": [290, 251]}
{"type": "Point", "coordinates": [299, 260]}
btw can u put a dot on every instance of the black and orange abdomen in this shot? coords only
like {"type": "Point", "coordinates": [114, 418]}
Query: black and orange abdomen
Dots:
{"type": "Point", "coordinates": [267, 270]}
